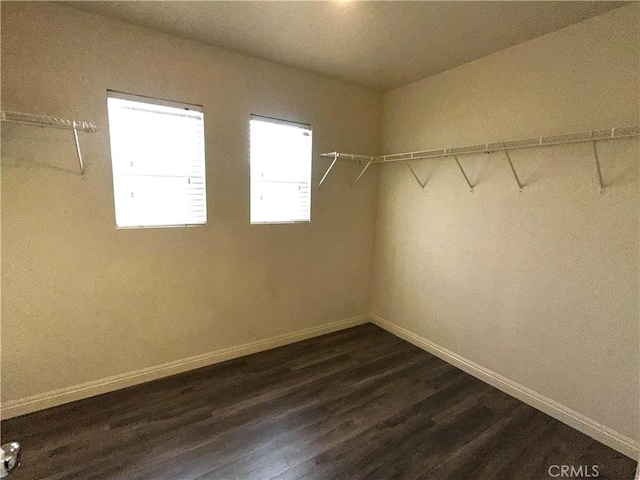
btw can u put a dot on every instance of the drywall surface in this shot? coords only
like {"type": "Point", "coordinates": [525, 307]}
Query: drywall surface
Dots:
{"type": "Point", "coordinates": [82, 300]}
{"type": "Point", "coordinates": [540, 287]}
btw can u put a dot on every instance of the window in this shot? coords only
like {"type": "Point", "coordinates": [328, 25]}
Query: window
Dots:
{"type": "Point", "coordinates": [280, 171]}
{"type": "Point", "coordinates": [157, 156]}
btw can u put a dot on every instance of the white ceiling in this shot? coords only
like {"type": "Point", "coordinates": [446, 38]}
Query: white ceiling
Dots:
{"type": "Point", "coordinates": [382, 45]}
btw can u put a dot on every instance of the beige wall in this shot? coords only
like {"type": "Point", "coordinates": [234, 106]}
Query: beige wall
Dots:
{"type": "Point", "coordinates": [541, 287]}
{"type": "Point", "coordinates": [82, 300]}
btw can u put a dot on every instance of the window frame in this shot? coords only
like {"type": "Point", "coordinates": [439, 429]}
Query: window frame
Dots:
{"type": "Point", "coordinates": [281, 121]}
{"type": "Point", "coordinates": [163, 103]}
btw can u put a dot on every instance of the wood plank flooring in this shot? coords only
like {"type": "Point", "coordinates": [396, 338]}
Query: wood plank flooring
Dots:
{"type": "Point", "coordinates": [355, 404]}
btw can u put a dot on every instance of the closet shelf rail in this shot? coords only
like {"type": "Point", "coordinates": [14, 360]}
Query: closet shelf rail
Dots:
{"type": "Point", "coordinates": [592, 136]}
{"type": "Point", "coordinates": [55, 122]}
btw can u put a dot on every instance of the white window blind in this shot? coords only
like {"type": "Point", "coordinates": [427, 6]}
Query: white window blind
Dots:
{"type": "Point", "coordinates": [280, 154]}
{"type": "Point", "coordinates": [158, 160]}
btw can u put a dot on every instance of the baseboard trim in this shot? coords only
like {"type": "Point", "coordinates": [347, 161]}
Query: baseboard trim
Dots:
{"type": "Point", "coordinates": [601, 433]}
{"type": "Point", "coordinates": [61, 396]}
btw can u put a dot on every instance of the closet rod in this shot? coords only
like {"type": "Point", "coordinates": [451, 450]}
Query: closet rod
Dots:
{"type": "Point", "coordinates": [551, 140]}
{"type": "Point", "coordinates": [55, 122]}
{"type": "Point", "coordinates": [47, 121]}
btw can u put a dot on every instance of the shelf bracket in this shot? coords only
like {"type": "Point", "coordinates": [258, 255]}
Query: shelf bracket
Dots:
{"type": "Point", "coordinates": [422, 184]}
{"type": "Point", "coordinates": [75, 137]}
{"type": "Point", "coordinates": [513, 170]}
{"type": "Point", "coordinates": [335, 159]}
{"type": "Point", "coordinates": [595, 154]}
{"type": "Point", "coordinates": [455, 157]}
{"type": "Point", "coordinates": [362, 172]}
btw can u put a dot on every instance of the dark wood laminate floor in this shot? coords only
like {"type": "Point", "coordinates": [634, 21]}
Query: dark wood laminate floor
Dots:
{"type": "Point", "coordinates": [356, 404]}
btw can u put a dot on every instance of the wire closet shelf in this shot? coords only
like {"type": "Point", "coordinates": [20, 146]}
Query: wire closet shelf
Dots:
{"type": "Point", "coordinates": [592, 136]}
{"type": "Point", "coordinates": [55, 122]}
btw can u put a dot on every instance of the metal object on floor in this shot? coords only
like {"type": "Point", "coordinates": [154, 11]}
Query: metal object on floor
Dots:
{"type": "Point", "coordinates": [9, 458]}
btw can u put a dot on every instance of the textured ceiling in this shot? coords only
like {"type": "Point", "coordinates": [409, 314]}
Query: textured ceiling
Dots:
{"type": "Point", "coordinates": [382, 45]}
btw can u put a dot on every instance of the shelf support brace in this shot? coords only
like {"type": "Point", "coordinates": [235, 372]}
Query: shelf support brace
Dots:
{"type": "Point", "coordinates": [422, 184]}
{"type": "Point", "coordinates": [513, 170]}
{"type": "Point", "coordinates": [595, 154]}
{"type": "Point", "coordinates": [75, 136]}
{"type": "Point", "coordinates": [335, 159]}
{"type": "Point", "coordinates": [362, 172]}
{"type": "Point", "coordinates": [455, 157]}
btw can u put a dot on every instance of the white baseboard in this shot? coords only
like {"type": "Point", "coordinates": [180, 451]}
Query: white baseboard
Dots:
{"type": "Point", "coordinates": [601, 433]}
{"type": "Point", "coordinates": [60, 396]}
